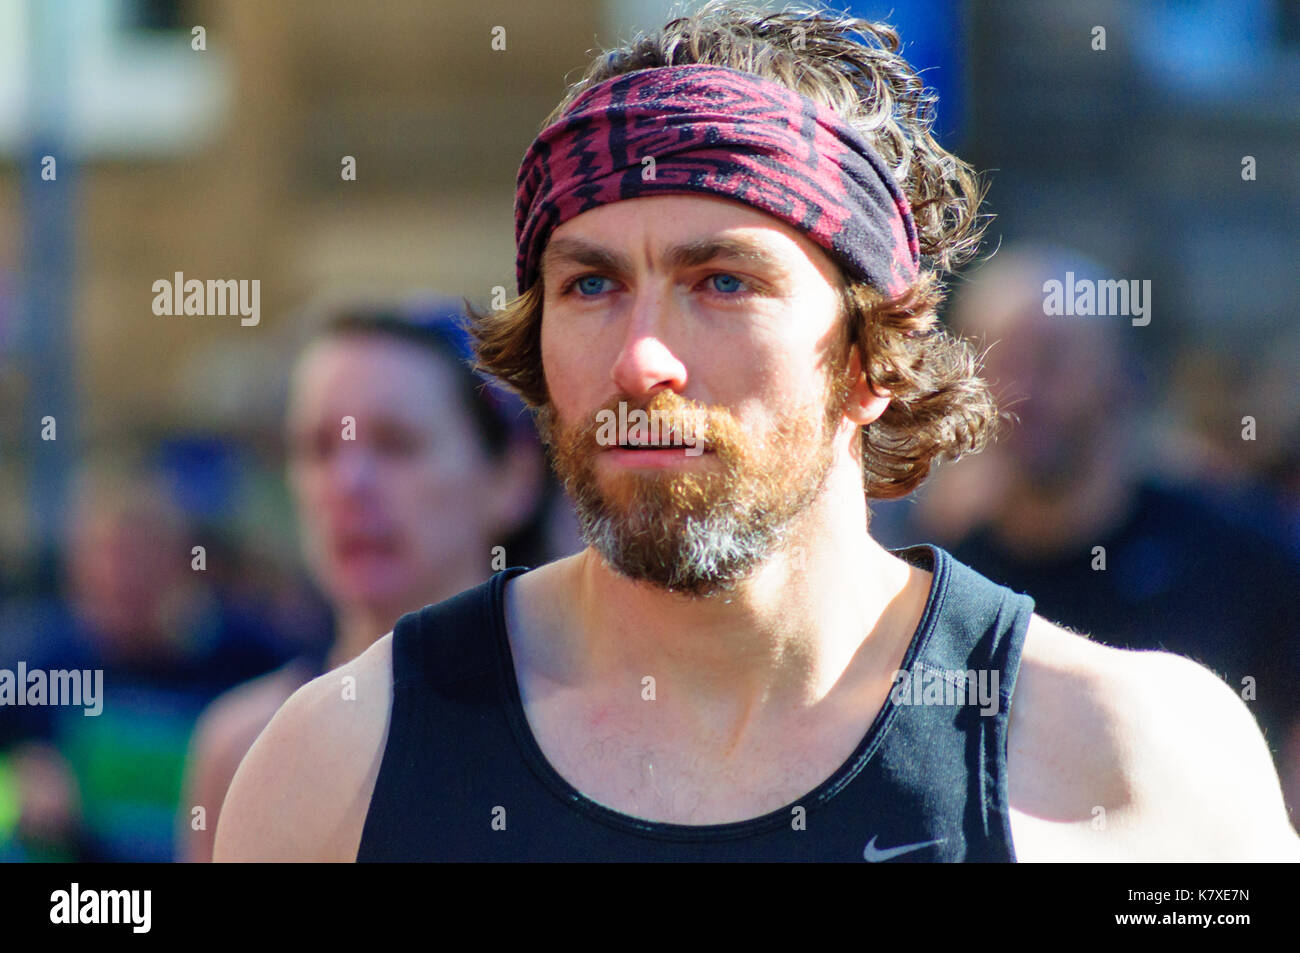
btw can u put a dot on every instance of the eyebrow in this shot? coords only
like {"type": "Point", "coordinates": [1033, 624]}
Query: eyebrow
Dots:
{"type": "Point", "coordinates": [576, 251]}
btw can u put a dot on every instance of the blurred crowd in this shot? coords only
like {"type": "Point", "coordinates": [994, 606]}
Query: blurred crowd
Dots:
{"type": "Point", "coordinates": [412, 480]}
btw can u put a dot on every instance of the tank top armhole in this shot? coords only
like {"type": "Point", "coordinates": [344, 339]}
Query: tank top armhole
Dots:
{"type": "Point", "coordinates": [1006, 658]}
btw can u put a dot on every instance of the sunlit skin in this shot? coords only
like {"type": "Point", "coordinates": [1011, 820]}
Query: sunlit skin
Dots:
{"type": "Point", "coordinates": [735, 295]}
{"type": "Point", "coordinates": [725, 305]}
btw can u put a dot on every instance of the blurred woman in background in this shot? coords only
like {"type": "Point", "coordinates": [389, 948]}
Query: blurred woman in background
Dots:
{"type": "Point", "coordinates": [407, 471]}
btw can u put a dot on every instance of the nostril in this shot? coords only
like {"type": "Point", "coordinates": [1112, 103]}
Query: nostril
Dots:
{"type": "Point", "coordinates": [647, 366]}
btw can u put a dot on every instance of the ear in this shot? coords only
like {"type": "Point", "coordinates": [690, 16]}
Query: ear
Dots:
{"type": "Point", "coordinates": [864, 405]}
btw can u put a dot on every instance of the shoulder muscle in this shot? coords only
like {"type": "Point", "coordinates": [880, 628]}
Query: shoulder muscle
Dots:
{"type": "Point", "coordinates": [1140, 755]}
{"type": "Point", "coordinates": [303, 791]}
{"type": "Point", "coordinates": [221, 738]}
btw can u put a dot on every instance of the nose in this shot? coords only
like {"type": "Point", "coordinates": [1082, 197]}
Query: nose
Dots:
{"type": "Point", "coordinates": [353, 469]}
{"type": "Point", "coordinates": [646, 364]}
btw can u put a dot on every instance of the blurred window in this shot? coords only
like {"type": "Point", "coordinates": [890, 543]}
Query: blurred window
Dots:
{"type": "Point", "coordinates": [116, 78]}
{"type": "Point", "coordinates": [1232, 49]}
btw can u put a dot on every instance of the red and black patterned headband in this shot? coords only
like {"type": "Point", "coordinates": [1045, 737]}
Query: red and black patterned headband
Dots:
{"type": "Point", "coordinates": [724, 132]}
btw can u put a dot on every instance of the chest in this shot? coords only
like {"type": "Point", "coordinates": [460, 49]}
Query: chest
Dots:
{"type": "Point", "coordinates": [661, 774]}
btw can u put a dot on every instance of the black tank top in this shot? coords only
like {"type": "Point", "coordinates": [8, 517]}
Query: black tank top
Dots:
{"type": "Point", "coordinates": [462, 777]}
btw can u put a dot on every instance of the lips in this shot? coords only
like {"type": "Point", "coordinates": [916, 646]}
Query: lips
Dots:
{"type": "Point", "coordinates": [365, 546]}
{"type": "Point", "coordinates": [650, 446]}
{"type": "Point", "coordinates": [649, 450]}
{"type": "Point", "coordinates": [670, 440]}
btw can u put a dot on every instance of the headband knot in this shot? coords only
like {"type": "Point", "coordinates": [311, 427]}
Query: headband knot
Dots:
{"type": "Point", "coordinates": [720, 131]}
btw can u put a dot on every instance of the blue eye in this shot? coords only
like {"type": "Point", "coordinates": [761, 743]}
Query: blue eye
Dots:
{"type": "Point", "coordinates": [727, 284]}
{"type": "Point", "coordinates": [590, 285]}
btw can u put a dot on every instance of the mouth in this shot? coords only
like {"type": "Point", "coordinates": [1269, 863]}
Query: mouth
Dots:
{"type": "Point", "coordinates": [652, 455]}
{"type": "Point", "coordinates": [651, 447]}
{"type": "Point", "coordinates": [355, 547]}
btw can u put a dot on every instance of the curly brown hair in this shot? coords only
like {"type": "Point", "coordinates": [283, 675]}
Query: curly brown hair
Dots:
{"type": "Point", "coordinates": [941, 408]}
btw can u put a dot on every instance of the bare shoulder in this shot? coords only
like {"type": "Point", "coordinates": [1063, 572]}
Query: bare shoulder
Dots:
{"type": "Point", "coordinates": [229, 726]}
{"type": "Point", "coordinates": [222, 736]}
{"type": "Point", "coordinates": [1125, 755]}
{"type": "Point", "coordinates": [303, 791]}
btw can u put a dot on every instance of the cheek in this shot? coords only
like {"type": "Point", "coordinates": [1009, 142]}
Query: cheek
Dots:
{"type": "Point", "coordinates": [434, 484]}
{"type": "Point", "coordinates": [768, 357]}
{"type": "Point", "coordinates": [441, 492]}
{"type": "Point", "coordinates": [309, 482]}
{"type": "Point", "coordinates": [309, 487]}
{"type": "Point", "coordinates": [562, 373]}
{"type": "Point", "coordinates": [767, 383]}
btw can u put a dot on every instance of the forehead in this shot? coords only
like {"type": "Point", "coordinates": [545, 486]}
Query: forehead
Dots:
{"type": "Point", "coordinates": [373, 374]}
{"type": "Point", "coordinates": [658, 224]}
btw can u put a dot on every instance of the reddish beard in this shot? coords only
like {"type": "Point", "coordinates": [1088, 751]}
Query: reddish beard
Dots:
{"type": "Point", "coordinates": [699, 529]}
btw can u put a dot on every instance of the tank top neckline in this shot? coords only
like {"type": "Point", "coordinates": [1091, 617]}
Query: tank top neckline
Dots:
{"type": "Point", "coordinates": [839, 779]}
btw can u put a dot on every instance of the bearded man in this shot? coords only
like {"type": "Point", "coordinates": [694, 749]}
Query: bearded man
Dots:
{"type": "Point", "coordinates": [737, 225]}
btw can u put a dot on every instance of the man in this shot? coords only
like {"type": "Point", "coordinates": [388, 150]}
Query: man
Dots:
{"type": "Point", "coordinates": [733, 668]}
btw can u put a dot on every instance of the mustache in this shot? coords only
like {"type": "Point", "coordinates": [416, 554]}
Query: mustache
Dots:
{"type": "Point", "coordinates": [666, 419]}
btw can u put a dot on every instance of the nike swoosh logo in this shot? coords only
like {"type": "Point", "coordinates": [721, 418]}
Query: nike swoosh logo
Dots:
{"type": "Point", "coordinates": [876, 855]}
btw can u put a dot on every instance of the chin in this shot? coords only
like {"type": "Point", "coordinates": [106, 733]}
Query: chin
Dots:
{"type": "Point", "coordinates": [371, 586]}
{"type": "Point", "coordinates": [699, 555]}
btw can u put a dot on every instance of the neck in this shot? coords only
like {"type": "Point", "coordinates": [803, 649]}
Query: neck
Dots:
{"type": "Point", "coordinates": [356, 629]}
{"type": "Point", "coordinates": [359, 625]}
{"type": "Point", "coordinates": [770, 650]}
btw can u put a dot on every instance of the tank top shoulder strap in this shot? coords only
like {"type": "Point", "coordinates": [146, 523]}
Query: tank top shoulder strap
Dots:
{"type": "Point", "coordinates": [443, 660]}
{"type": "Point", "coordinates": [975, 646]}
{"type": "Point", "coordinates": [981, 623]}
{"type": "Point", "coordinates": [443, 643]}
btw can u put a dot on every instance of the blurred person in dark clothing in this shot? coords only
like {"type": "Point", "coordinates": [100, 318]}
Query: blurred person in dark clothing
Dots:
{"type": "Point", "coordinates": [1069, 505]}
{"type": "Point", "coordinates": [407, 513]}
{"type": "Point", "coordinates": [104, 786]}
